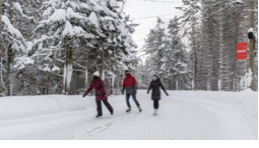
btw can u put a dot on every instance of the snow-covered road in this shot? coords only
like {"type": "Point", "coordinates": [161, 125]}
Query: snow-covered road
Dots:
{"type": "Point", "coordinates": [182, 115]}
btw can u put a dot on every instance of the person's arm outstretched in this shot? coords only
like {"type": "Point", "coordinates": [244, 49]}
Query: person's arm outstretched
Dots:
{"type": "Point", "coordinates": [163, 89]}
{"type": "Point", "coordinates": [149, 88]}
{"type": "Point", "coordinates": [89, 89]}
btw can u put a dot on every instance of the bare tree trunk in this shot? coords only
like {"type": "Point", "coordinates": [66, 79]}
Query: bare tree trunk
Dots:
{"type": "Point", "coordinates": [112, 81]}
{"type": "Point", "coordinates": [176, 83]}
{"type": "Point", "coordinates": [252, 45]}
{"type": "Point", "coordinates": [86, 68]}
{"type": "Point", "coordinates": [210, 67]}
{"type": "Point", "coordinates": [221, 50]}
{"type": "Point", "coordinates": [65, 67]}
{"type": "Point", "coordinates": [1, 54]}
{"type": "Point", "coordinates": [9, 69]}
{"type": "Point", "coordinates": [68, 68]}
{"type": "Point", "coordinates": [236, 79]}
{"type": "Point", "coordinates": [194, 53]}
{"type": "Point", "coordinates": [102, 66]}
{"type": "Point", "coordinates": [121, 80]}
{"type": "Point", "coordinates": [10, 55]}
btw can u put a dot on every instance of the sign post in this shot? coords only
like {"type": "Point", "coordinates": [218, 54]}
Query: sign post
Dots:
{"type": "Point", "coordinates": [242, 51]}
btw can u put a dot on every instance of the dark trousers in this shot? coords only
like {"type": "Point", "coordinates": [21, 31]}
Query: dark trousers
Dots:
{"type": "Point", "coordinates": [134, 98]}
{"type": "Point", "coordinates": [99, 106]}
{"type": "Point", "coordinates": [156, 104]}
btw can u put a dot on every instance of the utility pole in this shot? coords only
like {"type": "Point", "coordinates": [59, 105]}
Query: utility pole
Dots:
{"type": "Point", "coordinates": [251, 44]}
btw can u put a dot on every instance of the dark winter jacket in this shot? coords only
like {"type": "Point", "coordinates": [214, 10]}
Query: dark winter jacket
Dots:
{"type": "Point", "coordinates": [130, 84]}
{"type": "Point", "coordinates": [100, 92]}
{"type": "Point", "coordinates": [155, 85]}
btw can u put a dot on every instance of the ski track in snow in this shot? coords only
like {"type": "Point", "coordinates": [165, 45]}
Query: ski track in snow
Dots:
{"type": "Point", "coordinates": [180, 116]}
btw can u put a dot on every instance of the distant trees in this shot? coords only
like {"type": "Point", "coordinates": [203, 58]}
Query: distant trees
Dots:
{"type": "Point", "coordinates": [167, 55]}
{"type": "Point", "coordinates": [221, 23]}
{"type": "Point", "coordinates": [53, 46]}
{"type": "Point", "coordinates": [213, 29]}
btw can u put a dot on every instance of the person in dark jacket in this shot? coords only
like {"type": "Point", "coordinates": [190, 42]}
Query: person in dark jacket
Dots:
{"type": "Point", "coordinates": [155, 85]}
{"type": "Point", "coordinates": [130, 85]}
{"type": "Point", "coordinates": [100, 94]}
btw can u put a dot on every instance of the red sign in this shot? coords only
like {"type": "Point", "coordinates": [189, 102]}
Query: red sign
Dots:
{"type": "Point", "coordinates": [242, 51]}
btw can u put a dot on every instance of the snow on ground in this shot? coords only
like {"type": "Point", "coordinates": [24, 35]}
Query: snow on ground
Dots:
{"type": "Point", "coordinates": [183, 115]}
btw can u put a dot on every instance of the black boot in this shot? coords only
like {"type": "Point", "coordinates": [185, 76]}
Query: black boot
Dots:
{"type": "Point", "coordinates": [139, 108]}
{"type": "Point", "coordinates": [128, 110]}
{"type": "Point", "coordinates": [111, 112]}
{"type": "Point", "coordinates": [98, 116]}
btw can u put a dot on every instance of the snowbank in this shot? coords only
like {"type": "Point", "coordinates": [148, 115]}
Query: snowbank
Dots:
{"type": "Point", "coordinates": [183, 115]}
{"type": "Point", "coordinates": [34, 106]}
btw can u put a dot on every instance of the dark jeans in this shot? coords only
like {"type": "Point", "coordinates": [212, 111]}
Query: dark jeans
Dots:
{"type": "Point", "coordinates": [156, 104]}
{"type": "Point", "coordinates": [134, 98]}
{"type": "Point", "coordinates": [99, 106]}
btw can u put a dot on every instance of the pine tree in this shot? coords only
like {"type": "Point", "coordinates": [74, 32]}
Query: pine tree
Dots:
{"type": "Point", "coordinates": [177, 63]}
{"type": "Point", "coordinates": [190, 21]}
{"type": "Point", "coordinates": [156, 44]}
{"type": "Point", "coordinates": [13, 43]}
{"type": "Point", "coordinates": [65, 23]}
{"type": "Point", "coordinates": [83, 36]}
{"type": "Point", "coordinates": [118, 48]}
{"type": "Point", "coordinates": [168, 56]}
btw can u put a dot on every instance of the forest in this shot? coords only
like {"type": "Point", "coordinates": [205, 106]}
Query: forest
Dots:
{"type": "Point", "coordinates": [54, 46]}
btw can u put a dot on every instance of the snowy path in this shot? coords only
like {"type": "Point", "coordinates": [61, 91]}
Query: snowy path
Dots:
{"type": "Point", "coordinates": [182, 115]}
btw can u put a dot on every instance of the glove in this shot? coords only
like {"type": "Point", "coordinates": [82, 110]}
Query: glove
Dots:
{"type": "Point", "coordinates": [84, 95]}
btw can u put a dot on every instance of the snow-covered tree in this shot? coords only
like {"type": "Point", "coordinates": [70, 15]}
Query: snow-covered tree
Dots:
{"type": "Point", "coordinates": [168, 57]}
{"type": "Point", "coordinates": [177, 62]}
{"type": "Point", "coordinates": [83, 36]}
{"type": "Point", "coordinates": [64, 24]}
{"type": "Point", "coordinates": [13, 42]}
{"type": "Point", "coordinates": [156, 45]}
{"type": "Point", "coordinates": [190, 21]}
{"type": "Point", "coordinates": [1, 54]}
{"type": "Point", "coordinates": [117, 52]}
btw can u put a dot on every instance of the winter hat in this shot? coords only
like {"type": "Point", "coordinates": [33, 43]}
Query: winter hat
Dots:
{"type": "Point", "coordinates": [155, 74]}
{"type": "Point", "coordinates": [97, 74]}
{"type": "Point", "coordinates": [126, 71]}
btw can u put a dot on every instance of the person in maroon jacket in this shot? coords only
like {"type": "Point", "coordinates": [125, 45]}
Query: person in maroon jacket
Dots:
{"type": "Point", "coordinates": [130, 84]}
{"type": "Point", "coordinates": [100, 94]}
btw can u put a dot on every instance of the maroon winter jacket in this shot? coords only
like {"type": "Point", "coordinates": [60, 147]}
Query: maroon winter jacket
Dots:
{"type": "Point", "coordinates": [100, 92]}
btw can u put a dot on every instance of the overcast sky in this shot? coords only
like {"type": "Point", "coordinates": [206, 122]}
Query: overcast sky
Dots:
{"type": "Point", "coordinates": [139, 10]}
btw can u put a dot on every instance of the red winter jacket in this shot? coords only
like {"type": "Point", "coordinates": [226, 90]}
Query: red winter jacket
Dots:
{"type": "Point", "coordinates": [100, 92]}
{"type": "Point", "coordinates": [130, 84]}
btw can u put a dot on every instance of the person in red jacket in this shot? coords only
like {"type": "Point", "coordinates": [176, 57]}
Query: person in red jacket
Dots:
{"type": "Point", "coordinates": [100, 94]}
{"type": "Point", "coordinates": [130, 85]}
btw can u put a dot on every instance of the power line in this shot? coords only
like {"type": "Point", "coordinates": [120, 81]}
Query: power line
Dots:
{"type": "Point", "coordinates": [139, 40]}
{"type": "Point", "coordinates": [156, 1]}
{"type": "Point", "coordinates": [154, 16]}
{"type": "Point", "coordinates": [126, 4]}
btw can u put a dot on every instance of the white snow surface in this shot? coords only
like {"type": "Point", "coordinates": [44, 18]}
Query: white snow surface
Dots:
{"type": "Point", "coordinates": [182, 115]}
{"type": "Point", "coordinates": [94, 19]}
{"type": "Point", "coordinates": [239, 1]}
{"type": "Point", "coordinates": [7, 25]}
{"type": "Point", "coordinates": [251, 30]}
